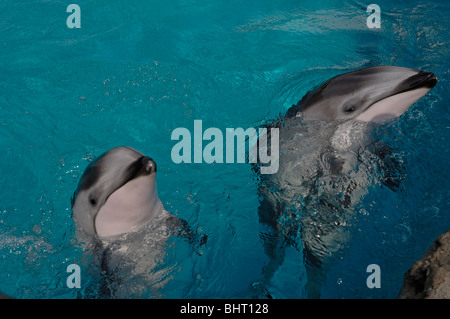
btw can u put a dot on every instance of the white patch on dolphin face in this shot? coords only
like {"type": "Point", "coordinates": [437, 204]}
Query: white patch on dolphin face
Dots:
{"type": "Point", "coordinates": [392, 106]}
{"type": "Point", "coordinates": [129, 208]}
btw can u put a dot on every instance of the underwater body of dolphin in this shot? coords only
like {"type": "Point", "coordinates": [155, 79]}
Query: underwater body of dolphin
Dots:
{"type": "Point", "coordinates": [120, 218]}
{"type": "Point", "coordinates": [323, 139]}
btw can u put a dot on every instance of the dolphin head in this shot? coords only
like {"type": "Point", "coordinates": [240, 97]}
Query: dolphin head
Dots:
{"type": "Point", "coordinates": [116, 193]}
{"type": "Point", "coordinates": [374, 94]}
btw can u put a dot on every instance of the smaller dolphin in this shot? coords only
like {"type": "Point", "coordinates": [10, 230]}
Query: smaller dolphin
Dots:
{"type": "Point", "coordinates": [119, 216]}
{"type": "Point", "coordinates": [116, 194]}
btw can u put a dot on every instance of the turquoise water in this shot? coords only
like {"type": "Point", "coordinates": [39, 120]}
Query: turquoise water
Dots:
{"type": "Point", "coordinates": [136, 71]}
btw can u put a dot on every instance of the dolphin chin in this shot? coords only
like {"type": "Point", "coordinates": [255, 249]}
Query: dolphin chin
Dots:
{"type": "Point", "coordinates": [128, 208]}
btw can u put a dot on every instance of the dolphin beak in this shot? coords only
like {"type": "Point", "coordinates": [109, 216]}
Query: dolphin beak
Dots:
{"type": "Point", "coordinates": [422, 79]}
{"type": "Point", "coordinates": [402, 96]}
{"type": "Point", "coordinates": [431, 80]}
{"type": "Point", "coordinates": [149, 164]}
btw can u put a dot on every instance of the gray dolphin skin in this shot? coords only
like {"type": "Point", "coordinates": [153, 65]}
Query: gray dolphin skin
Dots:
{"type": "Point", "coordinates": [329, 162]}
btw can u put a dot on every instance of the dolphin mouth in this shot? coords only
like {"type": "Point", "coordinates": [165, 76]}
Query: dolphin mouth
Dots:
{"type": "Point", "coordinates": [143, 166]}
{"type": "Point", "coordinates": [403, 96]}
{"type": "Point", "coordinates": [422, 80]}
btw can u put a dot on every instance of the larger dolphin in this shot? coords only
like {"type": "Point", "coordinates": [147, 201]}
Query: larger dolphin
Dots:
{"type": "Point", "coordinates": [310, 202]}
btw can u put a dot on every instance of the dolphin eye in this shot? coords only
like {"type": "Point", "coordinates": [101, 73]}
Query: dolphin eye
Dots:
{"type": "Point", "coordinates": [350, 109]}
{"type": "Point", "coordinates": [92, 201]}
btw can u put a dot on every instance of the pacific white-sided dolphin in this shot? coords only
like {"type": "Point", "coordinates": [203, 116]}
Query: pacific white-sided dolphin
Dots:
{"type": "Point", "coordinates": [328, 163]}
{"type": "Point", "coordinates": [119, 216]}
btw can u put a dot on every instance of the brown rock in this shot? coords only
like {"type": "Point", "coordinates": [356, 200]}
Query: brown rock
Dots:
{"type": "Point", "coordinates": [429, 277]}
